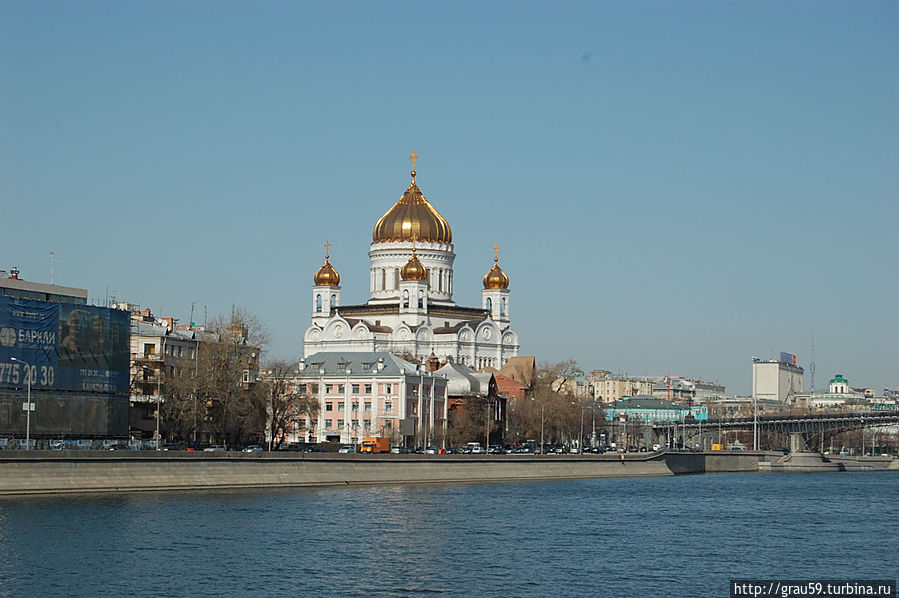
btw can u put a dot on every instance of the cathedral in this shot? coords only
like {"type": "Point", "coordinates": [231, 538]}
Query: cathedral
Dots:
{"type": "Point", "coordinates": [411, 312]}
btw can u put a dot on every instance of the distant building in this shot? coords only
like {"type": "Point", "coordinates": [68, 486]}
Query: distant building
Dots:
{"type": "Point", "coordinates": [609, 388]}
{"type": "Point", "coordinates": [776, 380]}
{"type": "Point", "coordinates": [12, 286]}
{"type": "Point", "coordinates": [675, 389]}
{"type": "Point", "coordinates": [651, 409]}
{"type": "Point", "coordinates": [371, 394]}
{"type": "Point", "coordinates": [75, 357]}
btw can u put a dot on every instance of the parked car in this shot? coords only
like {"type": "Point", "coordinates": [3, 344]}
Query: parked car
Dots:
{"type": "Point", "coordinates": [399, 450]}
{"type": "Point", "coordinates": [313, 448]}
{"type": "Point", "coordinates": [254, 448]}
{"type": "Point", "coordinates": [496, 449]}
{"type": "Point", "coordinates": [214, 448]}
{"type": "Point", "coordinates": [347, 448]}
{"type": "Point", "coordinates": [171, 447]}
{"type": "Point", "coordinates": [432, 450]}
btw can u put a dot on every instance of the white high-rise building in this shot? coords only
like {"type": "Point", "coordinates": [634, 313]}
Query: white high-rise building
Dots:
{"type": "Point", "coordinates": [776, 380]}
{"type": "Point", "coordinates": [410, 311]}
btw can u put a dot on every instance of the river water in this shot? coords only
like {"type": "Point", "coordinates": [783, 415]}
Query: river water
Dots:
{"type": "Point", "coordinates": [675, 536]}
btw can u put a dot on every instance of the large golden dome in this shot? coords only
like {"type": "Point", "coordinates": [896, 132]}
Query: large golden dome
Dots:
{"type": "Point", "coordinates": [414, 269]}
{"type": "Point", "coordinates": [412, 217]}
{"type": "Point", "coordinates": [496, 278]}
{"type": "Point", "coordinates": [327, 276]}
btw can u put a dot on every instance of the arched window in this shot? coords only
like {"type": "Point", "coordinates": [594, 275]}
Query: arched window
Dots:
{"type": "Point", "coordinates": [333, 301]}
{"type": "Point", "coordinates": [405, 298]}
{"type": "Point", "coordinates": [490, 305]}
{"type": "Point", "coordinates": [383, 279]}
{"type": "Point", "coordinates": [396, 278]}
{"type": "Point", "coordinates": [318, 303]}
{"type": "Point", "coordinates": [421, 300]}
{"type": "Point", "coordinates": [503, 308]}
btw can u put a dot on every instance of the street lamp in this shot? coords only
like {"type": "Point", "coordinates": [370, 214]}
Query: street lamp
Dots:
{"type": "Point", "coordinates": [29, 406]}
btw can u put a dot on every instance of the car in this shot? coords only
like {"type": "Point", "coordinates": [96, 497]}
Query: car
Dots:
{"type": "Point", "coordinates": [453, 450]}
{"type": "Point", "coordinates": [656, 447]}
{"type": "Point", "coordinates": [399, 450]}
{"type": "Point", "coordinates": [214, 448]}
{"type": "Point", "coordinates": [171, 447]}
{"type": "Point", "coordinates": [432, 450]}
{"type": "Point", "coordinates": [496, 449]}
{"type": "Point", "coordinates": [118, 447]}
{"type": "Point", "coordinates": [643, 449]}
{"type": "Point", "coordinates": [313, 448]}
{"type": "Point", "coordinates": [347, 448]}
{"type": "Point", "coordinates": [254, 448]}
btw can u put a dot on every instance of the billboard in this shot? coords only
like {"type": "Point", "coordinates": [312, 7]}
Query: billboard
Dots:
{"type": "Point", "coordinates": [787, 358]}
{"type": "Point", "coordinates": [61, 346]}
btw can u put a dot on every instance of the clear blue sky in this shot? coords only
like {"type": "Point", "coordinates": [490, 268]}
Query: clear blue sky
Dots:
{"type": "Point", "coordinates": [675, 186]}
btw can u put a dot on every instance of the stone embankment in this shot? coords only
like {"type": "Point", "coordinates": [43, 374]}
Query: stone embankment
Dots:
{"type": "Point", "coordinates": [78, 472]}
{"type": "Point", "coordinates": [67, 472]}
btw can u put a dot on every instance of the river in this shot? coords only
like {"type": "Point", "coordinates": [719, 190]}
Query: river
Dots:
{"type": "Point", "coordinates": [674, 536]}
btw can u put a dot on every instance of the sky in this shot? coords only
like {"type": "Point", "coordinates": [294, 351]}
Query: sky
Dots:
{"type": "Point", "coordinates": [675, 187]}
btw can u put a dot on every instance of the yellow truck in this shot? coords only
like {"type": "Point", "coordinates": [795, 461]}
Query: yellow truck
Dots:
{"type": "Point", "coordinates": [375, 444]}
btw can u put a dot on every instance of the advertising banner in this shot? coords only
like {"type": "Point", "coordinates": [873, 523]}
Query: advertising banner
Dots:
{"type": "Point", "coordinates": [60, 346]}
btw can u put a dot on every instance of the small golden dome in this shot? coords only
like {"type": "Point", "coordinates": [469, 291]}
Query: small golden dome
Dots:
{"type": "Point", "coordinates": [414, 269]}
{"type": "Point", "coordinates": [496, 278]}
{"type": "Point", "coordinates": [412, 217]}
{"type": "Point", "coordinates": [327, 276]}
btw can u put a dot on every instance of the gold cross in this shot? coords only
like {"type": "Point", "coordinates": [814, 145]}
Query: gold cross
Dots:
{"type": "Point", "coordinates": [327, 249]}
{"type": "Point", "coordinates": [413, 156]}
{"type": "Point", "coordinates": [496, 249]}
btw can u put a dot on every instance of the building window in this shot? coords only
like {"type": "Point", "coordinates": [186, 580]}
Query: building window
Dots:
{"type": "Point", "coordinates": [355, 424]}
{"type": "Point", "coordinates": [340, 406]}
{"type": "Point", "coordinates": [333, 301]}
{"type": "Point", "coordinates": [414, 408]}
{"type": "Point", "coordinates": [502, 310]}
{"type": "Point", "coordinates": [368, 406]}
{"type": "Point", "coordinates": [328, 423]}
{"type": "Point", "coordinates": [355, 406]}
{"type": "Point", "coordinates": [301, 388]}
{"type": "Point", "coordinates": [490, 305]}
{"type": "Point", "coordinates": [318, 303]}
{"type": "Point", "coordinates": [388, 389]}
{"type": "Point", "coordinates": [149, 349]}
{"type": "Point", "coordinates": [368, 389]}
{"type": "Point", "coordinates": [314, 389]}
{"type": "Point", "coordinates": [340, 424]}
{"type": "Point", "coordinates": [341, 388]}
{"type": "Point", "coordinates": [329, 388]}
{"type": "Point", "coordinates": [355, 389]}
{"type": "Point", "coordinates": [388, 406]}
{"type": "Point", "coordinates": [329, 406]}
{"type": "Point", "coordinates": [367, 425]}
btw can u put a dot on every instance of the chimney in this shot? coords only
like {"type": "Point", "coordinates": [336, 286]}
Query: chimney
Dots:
{"type": "Point", "coordinates": [302, 364]}
{"type": "Point", "coordinates": [14, 273]}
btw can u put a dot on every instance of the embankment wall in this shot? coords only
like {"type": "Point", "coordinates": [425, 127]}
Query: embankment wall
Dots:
{"type": "Point", "coordinates": [59, 473]}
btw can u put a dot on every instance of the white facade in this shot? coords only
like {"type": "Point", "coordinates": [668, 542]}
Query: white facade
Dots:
{"type": "Point", "coordinates": [415, 318]}
{"type": "Point", "coordinates": [775, 380]}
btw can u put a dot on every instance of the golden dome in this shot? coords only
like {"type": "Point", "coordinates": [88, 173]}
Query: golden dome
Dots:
{"type": "Point", "coordinates": [414, 269]}
{"type": "Point", "coordinates": [327, 276]}
{"type": "Point", "coordinates": [496, 278]}
{"type": "Point", "coordinates": [412, 217]}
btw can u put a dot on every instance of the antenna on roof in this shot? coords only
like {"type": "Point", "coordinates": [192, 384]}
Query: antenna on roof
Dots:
{"type": "Point", "coordinates": [52, 267]}
{"type": "Point", "coordinates": [192, 303]}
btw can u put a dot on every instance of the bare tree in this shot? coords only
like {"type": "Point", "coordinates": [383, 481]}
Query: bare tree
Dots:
{"type": "Point", "coordinates": [221, 400]}
{"type": "Point", "coordinates": [286, 409]}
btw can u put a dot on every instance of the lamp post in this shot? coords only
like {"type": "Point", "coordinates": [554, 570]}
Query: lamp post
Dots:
{"type": "Point", "coordinates": [29, 406]}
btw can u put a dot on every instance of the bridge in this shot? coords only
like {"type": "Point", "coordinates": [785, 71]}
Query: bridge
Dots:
{"type": "Point", "coordinates": [801, 429]}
